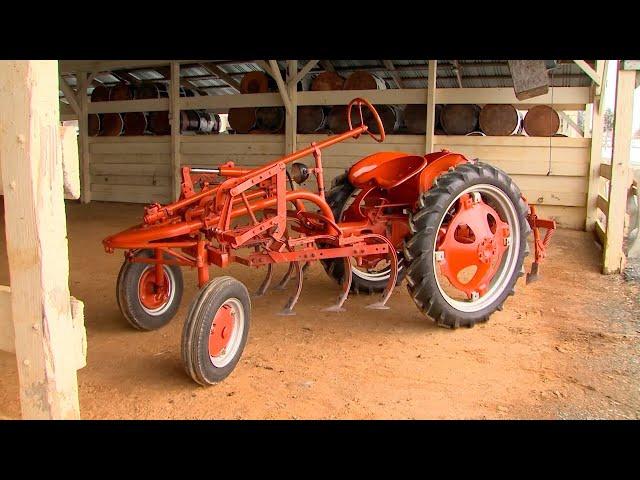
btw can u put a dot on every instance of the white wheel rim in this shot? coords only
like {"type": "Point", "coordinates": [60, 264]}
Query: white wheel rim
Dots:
{"type": "Point", "coordinates": [224, 358]}
{"type": "Point", "coordinates": [507, 212]}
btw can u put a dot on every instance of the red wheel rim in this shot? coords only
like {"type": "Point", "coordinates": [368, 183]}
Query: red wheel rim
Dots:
{"type": "Point", "coordinates": [221, 330]}
{"type": "Point", "coordinates": [475, 236]}
{"type": "Point", "coordinates": [153, 296]}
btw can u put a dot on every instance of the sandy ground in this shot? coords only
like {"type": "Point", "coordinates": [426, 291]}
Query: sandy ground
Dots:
{"type": "Point", "coordinates": [565, 347]}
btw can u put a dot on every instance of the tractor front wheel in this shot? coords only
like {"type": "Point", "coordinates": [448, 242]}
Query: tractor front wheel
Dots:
{"type": "Point", "coordinates": [145, 304]}
{"type": "Point", "coordinates": [468, 244]}
{"type": "Point", "coordinates": [216, 329]}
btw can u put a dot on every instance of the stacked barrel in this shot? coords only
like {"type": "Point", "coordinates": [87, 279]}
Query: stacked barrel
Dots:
{"type": "Point", "coordinates": [489, 120]}
{"type": "Point", "coordinates": [146, 123]}
{"type": "Point", "coordinates": [257, 119]}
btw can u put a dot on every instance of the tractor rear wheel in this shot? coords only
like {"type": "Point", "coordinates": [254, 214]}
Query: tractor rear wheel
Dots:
{"type": "Point", "coordinates": [368, 281]}
{"type": "Point", "coordinates": [216, 330]}
{"type": "Point", "coordinates": [145, 305]}
{"type": "Point", "coordinates": [468, 243]}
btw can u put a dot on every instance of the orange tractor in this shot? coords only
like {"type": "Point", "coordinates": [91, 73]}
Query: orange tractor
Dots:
{"type": "Point", "coordinates": [455, 228]}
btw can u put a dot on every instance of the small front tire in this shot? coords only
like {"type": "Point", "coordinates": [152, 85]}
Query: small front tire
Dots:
{"type": "Point", "coordinates": [216, 330]}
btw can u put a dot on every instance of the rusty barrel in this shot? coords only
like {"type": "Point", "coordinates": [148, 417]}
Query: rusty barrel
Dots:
{"type": "Point", "coordinates": [270, 119]}
{"type": "Point", "coordinates": [151, 90]}
{"type": "Point", "coordinates": [198, 121]}
{"type": "Point", "coordinates": [257, 82]}
{"type": "Point", "coordinates": [362, 80]}
{"type": "Point", "coordinates": [121, 92]}
{"type": "Point", "coordinates": [135, 123]}
{"type": "Point", "coordinates": [159, 123]}
{"type": "Point", "coordinates": [415, 118]}
{"type": "Point", "coordinates": [94, 125]}
{"type": "Point", "coordinates": [242, 120]}
{"type": "Point", "coordinates": [541, 121]}
{"type": "Point", "coordinates": [312, 118]}
{"type": "Point", "coordinates": [100, 94]}
{"type": "Point", "coordinates": [459, 119]}
{"type": "Point", "coordinates": [390, 115]}
{"type": "Point", "coordinates": [337, 121]}
{"type": "Point", "coordinates": [327, 81]}
{"type": "Point", "coordinates": [499, 120]}
{"type": "Point", "coordinates": [112, 124]}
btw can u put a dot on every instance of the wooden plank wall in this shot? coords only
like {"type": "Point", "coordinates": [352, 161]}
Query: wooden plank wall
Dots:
{"type": "Point", "coordinates": [137, 169]}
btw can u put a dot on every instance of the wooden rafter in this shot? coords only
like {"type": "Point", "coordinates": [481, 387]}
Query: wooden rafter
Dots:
{"type": "Point", "coordinates": [571, 123]}
{"type": "Point", "coordinates": [457, 71]}
{"type": "Point", "coordinates": [586, 68]}
{"type": "Point", "coordinates": [303, 71]}
{"type": "Point", "coordinates": [393, 72]}
{"type": "Point", "coordinates": [70, 95]}
{"type": "Point", "coordinates": [222, 75]}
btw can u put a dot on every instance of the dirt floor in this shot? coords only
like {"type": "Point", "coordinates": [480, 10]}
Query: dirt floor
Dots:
{"type": "Point", "coordinates": [565, 347]}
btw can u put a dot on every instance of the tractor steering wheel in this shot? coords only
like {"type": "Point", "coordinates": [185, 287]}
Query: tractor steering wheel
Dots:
{"type": "Point", "coordinates": [376, 117]}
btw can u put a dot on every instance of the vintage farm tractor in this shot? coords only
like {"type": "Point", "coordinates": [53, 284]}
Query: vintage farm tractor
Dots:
{"type": "Point", "coordinates": [455, 228]}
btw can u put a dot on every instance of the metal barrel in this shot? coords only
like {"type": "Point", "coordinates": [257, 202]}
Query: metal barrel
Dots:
{"type": "Point", "coordinates": [209, 122]}
{"type": "Point", "coordinates": [100, 94]}
{"type": "Point", "coordinates": [459, 119]}
{"type": "Point", "coordinates": [135, 123]}
{"type": "Point", "coordinates": [477, 133]}
{"type": "Point", "coordinates": [337, 121]}
{"type": "Point", "coordinates": [499, 119]}
{"type": "Point", "coordinates": [390, 115]}
{"type": "Point", "coordinates": [159, 123]}
{"type": "Point", "coordinates": [121, 92]}
{"type": "Point", "coordinates": [327, 81]}
{"type": "Point", "coordinates": [363, 80]}
{"type": "Point", "coordinates": [151, 90]}
{"type": "Point", "coordinates": [270, 119]}
{"type": "Point", "coordinates": [415, 118]}
{"type": "Point", "coordinates": [311, 118]}
{"type": "Point", "coordinates": [112, 124]}
{"type": "Point", "coordinates": [242, 120]}
{"type": "Point", "coordinates": [541, 121]}
{"type": "Point", "coordinates": [254, 82]}
{"type": "Point", "coordinates": [94, 124]}
{"type": "Point", "coordinates": [187, 92]}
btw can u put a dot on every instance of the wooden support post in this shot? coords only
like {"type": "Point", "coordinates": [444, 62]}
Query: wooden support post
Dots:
{"type": "Point", "coordinates": [303, 71]}
{"type": "Point", "coordinates": [431, 105]}
{"type": "Point", "coordinates": [613, 256]}
{"type": "Point", "coordinates": [275, 73]}
{"type": "Point", "coordinates": [291, 119]}
{"type": "Point", "coordinates": [37, 239]}
{"type": "Point", "coordinates": [595, 159]}
{"type": "Point", "coordinates": [83, 137]}
{"type": "Point", "coordinates": [174, 115]}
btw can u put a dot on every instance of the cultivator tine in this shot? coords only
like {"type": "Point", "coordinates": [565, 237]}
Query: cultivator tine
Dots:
{"type": "Point", "coordinates": [266, 282]}
{"type": "Point", "coordinates": [283, 283]}
{"type": "Point", "coordinates": [346, 286]}
{"type": "Point", "coordinates": [288, 308]}
{"type": "Point", "coordinates": [393, 278]}
{"type": "Point", "coordinates": [532, 276]}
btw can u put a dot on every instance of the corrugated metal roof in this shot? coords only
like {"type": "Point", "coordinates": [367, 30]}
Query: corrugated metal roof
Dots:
{"type": "Point", "coordinates": [413, 74]}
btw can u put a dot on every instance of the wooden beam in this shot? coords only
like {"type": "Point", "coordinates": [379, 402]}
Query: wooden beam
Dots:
{"type": "Point", "coordinates": [7, 335]}
{"type": "Point", "coordinates": [327, 65]}
{"type": "Point", "coordinates": [122, 106]}
{"type": "Point", "coordinates": [73, 66]}
{"type": "Point", "coordinates": [431, 106]}
{"type": "Point", "coordinates": [571, 123]}
{"type": "Point", "coordinates": [70, 161]}
{"type": "Point", "coordinates": [83, 137]}
{"type": "Point", "coordinates": [37, 239]}
{"type": "Point", "coordinates": [174, 116]}
{"type": "Point", "coordinates": [586, 68]}
{"type": "Point", "coordinates": [303, 71]}
{"type": "Point", "coordinates": [265, 66]}
{"type": "Point", "coordinates": [393, 72]}
{"type": "Point", "coordinates": [456, 70]}
{"type": "Point", "coordinates": [281, 86]}
{"type": "Point", "coordinates": [70, 95]}
{"type": "Point", "coordinates": [291, 119]}
{"type": "Point", "coordinates": [613, 255]}
{"type": "Point", "coordinates": [232, 82]}
{"type": "Point", "coordinates": [595, 160]}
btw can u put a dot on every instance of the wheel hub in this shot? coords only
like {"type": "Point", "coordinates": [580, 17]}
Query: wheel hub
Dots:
{"type": "Point", "coordinates": [221, 330]}
{"type": "Point", "coordinates": [475, 237]}
{"type": "Point", "coordinates": [153, 296]}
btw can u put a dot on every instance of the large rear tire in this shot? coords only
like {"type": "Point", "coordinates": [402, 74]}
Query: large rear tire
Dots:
{"type": "Point", "coordinates": [363, 281]}
{"type": "Point", "coordinates": [487, 189]}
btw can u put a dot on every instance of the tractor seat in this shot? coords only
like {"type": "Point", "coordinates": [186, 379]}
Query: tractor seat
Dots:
{"type": "Point", "coordinates": [386, 169]}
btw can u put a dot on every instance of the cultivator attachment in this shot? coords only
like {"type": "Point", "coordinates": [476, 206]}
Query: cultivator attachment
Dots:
{"type": "Point", "coordinates": [540, 243]}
